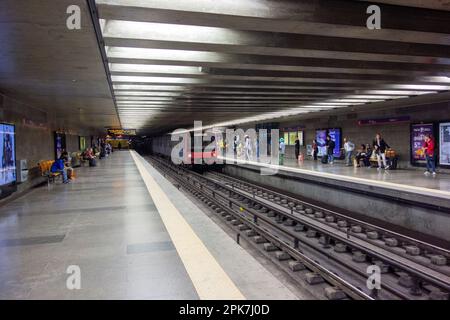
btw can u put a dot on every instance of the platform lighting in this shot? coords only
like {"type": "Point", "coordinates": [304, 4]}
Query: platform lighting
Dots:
{"type": "Point", "coordinates": [147, 87]}
{"type": "Point", "coordinates": [137, 103]}
{"type": "Point", "coordinates": [337, 104]}
{"type": "Point", "coordinates": [152, 68]}
{"type": "Point", "coordinates": [374, 97]}
{"type": "Point", "coordinates": [169, 32]}
{"type": "Point", "coordinates": [398, 92]}
{"type": "Point", "coordinates": [419, 87]}
{"type": "Point", "coordinates": [351, 101]}
{"type": "Point", "coordinates": [142, 94]}
{"type": "Point", "coordinates": [143, 79]}
{"type": "Point", "coordinates": [163, 54]}
{"type": "Point", "coordinates": [129, 99]}
{"type": "Point", "coordinates": [441, 79]}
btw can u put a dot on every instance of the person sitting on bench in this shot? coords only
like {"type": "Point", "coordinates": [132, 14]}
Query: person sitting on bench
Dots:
{"type": "Point", "coordinates": [89, 156]}
{"type": "Point", "coordinates": [361, 155]}
{"type": "Point", "coordinates": [67, 162]}
{"type": "Point", "coordinates": [59, 167]}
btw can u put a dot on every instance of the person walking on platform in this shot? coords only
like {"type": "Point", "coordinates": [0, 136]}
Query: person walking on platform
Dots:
{"type": "Point", "coordinates": [315, 149]}
{"type": "Point", "coordinates": [297, 148]}
{"type": "Point", "coordinates": [330, 149]}
{"type": "Point", "coordinates": [282, 151]}
{"type": "Point", "coordinates": [429, 150]}
{"type": "Point", "coordinates": [380, 146]}
{"type": "Point", "coordinates": [349, 147]}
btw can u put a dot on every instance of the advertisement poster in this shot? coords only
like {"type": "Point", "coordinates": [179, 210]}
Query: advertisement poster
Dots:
{"type": "Point", "coordinates": [60, 144]}
{"type": "Point", "coordinates": [321, 136]}
{"type": "Point", "coordinates": [444, 142]}
{"type": "Point", "coordinates": [418, 134]}
{"type": "Point", "coordinates": [335, 135]}
{"type": "Point", "coordinates": [7, 154]}
{"type": "Point", "coordinates": [301, 138]}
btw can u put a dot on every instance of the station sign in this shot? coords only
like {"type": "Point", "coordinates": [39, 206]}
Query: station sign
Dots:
{"type": "Point", "coordinates": [383, 121]}
{"type": "Point", "coordinates": [121, 132]}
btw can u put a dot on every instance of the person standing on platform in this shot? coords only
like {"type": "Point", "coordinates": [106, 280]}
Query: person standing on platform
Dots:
{"type": "Point", "coordinates": [297, 148]}
{"type": "Point", "coordinates": [349, 147]}
{"type": "Point", "coordinates": [330, 149]}
{"type": "Point", "coordinates": [282, 151]}
{"type": "Point", "coordinates": [247, 148]}
{"type": "Point", "coordinates": [429, 150]}
{"type": "Point", "coordinates": [119, 146]}
{"type": "Point", "coordinates": [380, 146]}
{"type": "Point", "coordinates": [315, 149]}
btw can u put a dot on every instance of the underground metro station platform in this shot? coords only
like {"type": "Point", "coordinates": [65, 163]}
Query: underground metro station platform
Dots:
{"type": "Point", "coordinates": [272, 152]}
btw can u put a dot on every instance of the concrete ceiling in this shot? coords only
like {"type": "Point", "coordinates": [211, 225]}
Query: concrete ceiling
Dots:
{"type": "Point", "coordinates": [52, 68]}
{"type": "Point", "coordinates": [173, 62]}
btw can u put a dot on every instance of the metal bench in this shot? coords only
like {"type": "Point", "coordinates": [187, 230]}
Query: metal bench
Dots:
{"type": "Point", "coordinates": [45, 169]}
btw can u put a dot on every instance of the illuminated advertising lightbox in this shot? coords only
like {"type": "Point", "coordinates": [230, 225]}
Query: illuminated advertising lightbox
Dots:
{"type": "Point", "coordinates": [418, 134]}
{"type": "Point", "coordinates": [7, 154]}
{"type": "Point", "coordinates": [444, 144]}
{"type": "Point", "coordinates": [336, 136]}
{"type": "Point", "coordinates": [321, 136]}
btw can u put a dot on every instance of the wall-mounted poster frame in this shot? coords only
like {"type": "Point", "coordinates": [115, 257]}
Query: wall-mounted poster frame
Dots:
{"type": "Point", "coordinates": [60, 143]}
{"type": "Point", "coordinates": [418, 132]}
{"type": "Point", "coordinates": [336, 136]}
{"type": "Point", "coordinates": [444, 144]}
{"type": "Point", "coordinates": [82, 143]}
{"type": "Point", "coordinates": [8, 174]}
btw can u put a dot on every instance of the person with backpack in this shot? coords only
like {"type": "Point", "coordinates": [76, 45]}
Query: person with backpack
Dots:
{"type": "Point", "coordinates": [330, 149]}
{"type": "Point", "coordinates": [349, 147]}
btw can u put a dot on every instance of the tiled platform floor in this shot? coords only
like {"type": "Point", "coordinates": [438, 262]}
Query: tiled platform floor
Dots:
{"type": "Point", "coordinates": [106, 223]}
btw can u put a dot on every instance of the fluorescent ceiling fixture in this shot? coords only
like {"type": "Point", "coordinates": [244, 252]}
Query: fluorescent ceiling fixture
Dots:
{"type": "Point", "coordinates": [163, 54]}
{"type": "Point", "coordinates": [137, 79]}
{"type": "Point", "coordinates": [147, 87]}
{"type": "Point", "coordinates": [419, 87]}
{"type": "Point", "coordinates": [209, 6]}
{"type": "Point", "coordinates": [125, 103]}
{"type": "Point", "coordinates": [354, 100]}
{"type": "Point", "coordinates": [121, 98]}
{"type": "Point", "coordinates": [398, 92]}
{"type": "Point", "coordinates": [129, 94]}
{"type": "Point", "coordinates": [170, 32]}
{"type": "Point", "coordinates": [442, 79]}
{"type": "Point", "coordinates": [331, 104]}
{"type": "Point", "coordinates": [149, 68]}
{"type": "Point", "coordinates": [375, 97]}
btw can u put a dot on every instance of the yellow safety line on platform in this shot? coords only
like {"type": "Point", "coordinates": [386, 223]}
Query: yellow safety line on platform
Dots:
{"type": "Point", "coordinates": [342, 177]}
{"type": "Point", "coordinates": [208, 277]}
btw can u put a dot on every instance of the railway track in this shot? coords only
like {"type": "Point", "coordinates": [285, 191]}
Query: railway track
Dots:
{"type": "Point", "coordinates": [320, 247]}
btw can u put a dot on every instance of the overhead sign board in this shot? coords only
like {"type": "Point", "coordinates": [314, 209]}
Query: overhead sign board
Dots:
{"type": "Point", "coordinates": [122, 132]}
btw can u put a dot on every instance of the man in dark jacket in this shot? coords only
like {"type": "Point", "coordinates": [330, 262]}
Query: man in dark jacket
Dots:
{"type": "Point", "coordinates": [297, 148]}
{"type": "Point", "coordinates": [380, 146]}
{"type": "Point", "coordinates": [330, 149]}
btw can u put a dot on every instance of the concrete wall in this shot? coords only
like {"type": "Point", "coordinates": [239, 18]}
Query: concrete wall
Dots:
{"type": "Point", "coordinates": [397, 135]}
{"type": "Point", "coordinates": [34, 135]}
